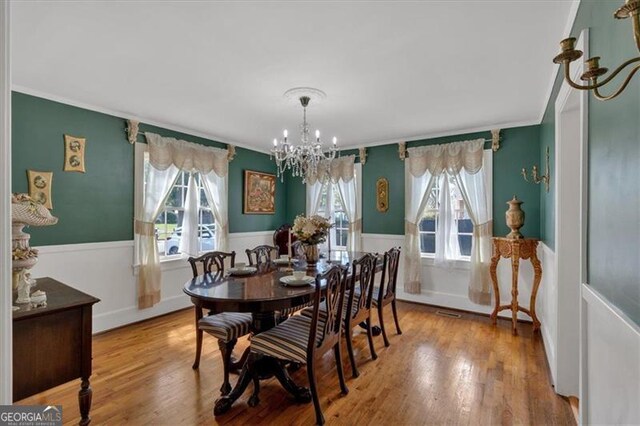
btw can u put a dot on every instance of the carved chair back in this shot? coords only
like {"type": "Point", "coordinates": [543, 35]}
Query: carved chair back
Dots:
{"type": "Point", "coordinates": [389, 277]}
{"type": "Point", "coordinates": [213, 261]}
{"type": "Point", "coordinates": [261, 254]}
{"type": "Point", "coordinates": [281, 239]}
{"type": "Point", "coordinates": [330, 299]}
{"type": "Point", "coordinates": [363, 273]}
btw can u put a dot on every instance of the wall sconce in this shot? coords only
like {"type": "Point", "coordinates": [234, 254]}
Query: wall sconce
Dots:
{"type": "Point", "coordinates": [535, 178]}
{"type": "Point", "coordinates": [362, 154]}
{"type": "Point", "coordinates": [132, 130]}
{"type": "Point", "coordinates": [402, 150]}
{"type": "Point", "coordinates": [569, 54]}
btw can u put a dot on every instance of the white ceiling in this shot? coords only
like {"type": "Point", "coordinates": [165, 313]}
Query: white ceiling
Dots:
{"type": "Point", "coordinates": [392, 70]}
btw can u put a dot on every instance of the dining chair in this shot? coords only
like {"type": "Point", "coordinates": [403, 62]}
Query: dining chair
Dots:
{"type": "Point", "coordinates": [359, 303]}
{"type": "Point", "coordinates": [306, 339]}
{"type": "Point", "coordinates": [227, 327]}
{"type": "Point", "coordinates": [385, 294]}
{"type": "Point", "coordinates": [281, 238]}
{"type": "Point", "coordinates": [261, 254]}
{"type": "Point", "coordinates": [357, 308]}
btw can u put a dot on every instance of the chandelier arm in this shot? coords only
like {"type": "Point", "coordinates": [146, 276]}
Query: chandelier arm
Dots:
{"type": "Point", "coordinates": [567, 75]}
{"type": "Point", "coordinates": [624, 85]}
{"type": "Point", "coordinates": [618, 70]}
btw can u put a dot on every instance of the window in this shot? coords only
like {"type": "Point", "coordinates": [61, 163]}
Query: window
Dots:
{"type": "Point", "coordinates": [168, 224]}
{"type": "Point", "coordinates": [429, 222]}
{"type": "Point", "coordinates": [331, 207]}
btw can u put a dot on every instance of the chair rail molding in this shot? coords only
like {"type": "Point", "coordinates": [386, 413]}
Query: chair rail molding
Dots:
{"type": "Point", "coordinates": [6, 321]}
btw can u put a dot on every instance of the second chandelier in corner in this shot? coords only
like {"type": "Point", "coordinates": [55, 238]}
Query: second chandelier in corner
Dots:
{"type": "Point", "coordinates": [304, 158]}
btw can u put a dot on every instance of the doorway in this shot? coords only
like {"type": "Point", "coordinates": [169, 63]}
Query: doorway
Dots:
{"type": "Point", "coordinates": [570, 225]}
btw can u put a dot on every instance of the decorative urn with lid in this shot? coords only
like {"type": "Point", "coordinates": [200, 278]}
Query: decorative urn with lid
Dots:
{"type": "Point", "coordinates": [515, 218]}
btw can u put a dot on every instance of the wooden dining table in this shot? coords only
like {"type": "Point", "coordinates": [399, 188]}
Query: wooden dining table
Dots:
{"type": "Point", "coordinates": [263, 295]}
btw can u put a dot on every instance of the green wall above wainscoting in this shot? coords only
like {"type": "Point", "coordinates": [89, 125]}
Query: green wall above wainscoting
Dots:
{"type": "Point", "coordinates": [519, 148]}
{"type": "Point", "coordinates": [97, 206]}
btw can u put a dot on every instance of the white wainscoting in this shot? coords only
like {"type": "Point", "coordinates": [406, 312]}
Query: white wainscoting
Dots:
{"type": "Point", "coordinates": [547, 307]}
{"type": "Point", "coordinates": [610, 364]}
{"type": "Point", "coordinates": [448, 287]}
{"type": "Point", "coordinates": [105, 271]}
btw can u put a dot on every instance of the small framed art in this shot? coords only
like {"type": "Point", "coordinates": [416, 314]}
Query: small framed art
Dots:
{"type": "Point", "coordinates": [74, 154]}
{"type": "Point", "coordinates": [40, 187]}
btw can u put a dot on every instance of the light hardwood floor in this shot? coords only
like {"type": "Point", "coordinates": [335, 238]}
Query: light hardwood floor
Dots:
{"type": "Point", "coordinates": [439, 371]}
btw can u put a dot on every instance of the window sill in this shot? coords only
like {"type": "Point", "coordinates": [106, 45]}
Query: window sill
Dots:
{"type": "Point", "coordinates": [429, 260]}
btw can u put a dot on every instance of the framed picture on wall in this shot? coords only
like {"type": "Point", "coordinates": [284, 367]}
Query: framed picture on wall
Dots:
{"type": "Point", "coordinates": [74, 154]}
{"type": "Point", "coordinates": [40, 187]}
{"type": "Point", "coordinates": [259, 193]}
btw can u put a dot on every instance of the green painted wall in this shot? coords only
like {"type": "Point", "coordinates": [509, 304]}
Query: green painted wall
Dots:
{"type": "Point", "coordinates": [614, 165]}
{"type": "Point", "coordinates": [97, 205]}
{"type": "Point", "coordinates": [519, 148]}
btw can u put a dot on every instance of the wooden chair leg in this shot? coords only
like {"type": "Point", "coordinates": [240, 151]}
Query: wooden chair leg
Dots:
{"type": "Point", "coordinates": [381, 319]}
{"type": "Point", "coordinates": [374, 355]}
{"type": "Point", "coordinates": [314, 391]}
{"type": "Point", "coordinates": [349, 335]}
{"type": "Point", "coordinates": [395, 316]}
{"type": "Point", "coordinates": [337, 350]}
{"type": "Point", "coordinates": [226, 348]}
{"type": "Point", "coordinates": [196, 363]}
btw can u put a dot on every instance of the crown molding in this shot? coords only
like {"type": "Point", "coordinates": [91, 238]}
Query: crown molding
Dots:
{"type": "Point", "coordinates": [126, 116]}
{"type": "Point", "coordinates": [453, 132]}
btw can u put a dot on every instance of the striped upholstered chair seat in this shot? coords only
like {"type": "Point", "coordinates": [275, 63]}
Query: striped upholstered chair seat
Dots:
{"type": "Point", "coordinates": [227, 325]}
{"type": "Point", "coordinates": [288, 340]}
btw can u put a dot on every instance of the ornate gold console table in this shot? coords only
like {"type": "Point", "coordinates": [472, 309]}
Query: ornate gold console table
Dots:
{"type": "Point", "coordinates": [516, 250]}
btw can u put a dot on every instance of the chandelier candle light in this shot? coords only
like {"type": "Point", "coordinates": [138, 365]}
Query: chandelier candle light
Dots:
{"type": "Point", "coordinates": [305, 158]}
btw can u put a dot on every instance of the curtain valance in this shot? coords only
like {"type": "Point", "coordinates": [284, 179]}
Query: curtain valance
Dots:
{"type": "Point", "coordinates": [450, 157]}
{"type": "Point", "coordinates": [341, 168]}
{"type": "Point", "coordinates": [163, 152]}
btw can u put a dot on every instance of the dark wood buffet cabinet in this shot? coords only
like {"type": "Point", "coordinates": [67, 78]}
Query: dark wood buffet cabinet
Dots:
{"type": "Point", "coordinates": [52, 344]}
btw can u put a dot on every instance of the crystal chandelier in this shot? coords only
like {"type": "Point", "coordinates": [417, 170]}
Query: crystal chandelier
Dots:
{"type": "Point", "coordinates": [306, 158]}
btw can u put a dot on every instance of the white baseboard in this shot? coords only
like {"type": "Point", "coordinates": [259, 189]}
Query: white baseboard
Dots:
{"type": "Point", "coordinates": [131, 314]}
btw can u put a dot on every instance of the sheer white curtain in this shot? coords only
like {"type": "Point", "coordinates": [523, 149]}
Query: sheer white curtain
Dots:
{"type": "Point", "coordinates": [167, 157]}
{"type": "Point", "coordinates": [351, 200]}
{"type": "Point", "coordinates": [156, 191]}
{"type": "Point", "coordinates": [461, 161]}
{"type": "Point", "coordinates": [476, 193]}
{"type": "Point", "coordinates": [314, 197]}
{"type": "Point", "coordinates": [217, 191]}
{"type": "Point", "coordinates": [417, 191]}
{"type": "Point", "coordinates": [189, 243]}
{"type": "Point", "coordinates": [447, 247]}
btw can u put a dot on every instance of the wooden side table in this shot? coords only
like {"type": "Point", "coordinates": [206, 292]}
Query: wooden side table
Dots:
{"type": "Point", "coordinates": [516, 250]}
{"type": "Point", "coordinates": [52, 344]}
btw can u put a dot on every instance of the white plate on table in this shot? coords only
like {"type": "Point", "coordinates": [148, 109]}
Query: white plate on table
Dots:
{"type": "Point", "coordinates": [290, 280]}
{"type": "Point", "coordinates": [284, 261]}
{"type": "Point", "coordinates": [244, 271]}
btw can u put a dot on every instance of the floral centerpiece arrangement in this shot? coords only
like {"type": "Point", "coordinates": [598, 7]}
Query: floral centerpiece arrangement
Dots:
{"type": "Point", "coordinates": [311, 231]}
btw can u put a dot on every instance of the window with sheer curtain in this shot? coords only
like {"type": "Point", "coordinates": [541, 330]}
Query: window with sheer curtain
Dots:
{"type": "Point", "coordinates": [331, 207]}
{"type": "Point", "coordinates": [169, 223]}
{"type": "Point", "coordinates": [459, 215]}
